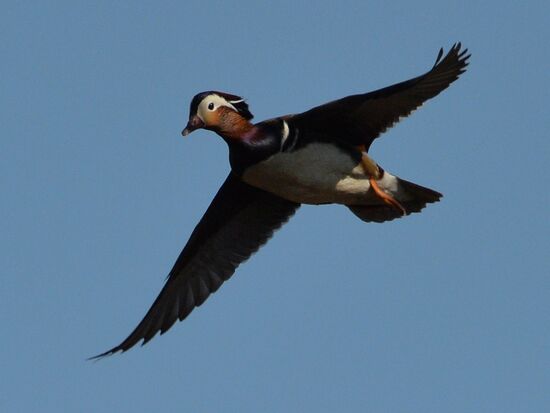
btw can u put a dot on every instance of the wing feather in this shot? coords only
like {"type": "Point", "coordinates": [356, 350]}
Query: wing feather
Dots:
{"type": "Point", "coordinates": [237, 223]}
{"type": "Point", "coordinates": [360, 119]}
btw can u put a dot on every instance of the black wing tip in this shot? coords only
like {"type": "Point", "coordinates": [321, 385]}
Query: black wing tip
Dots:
{"type": "Point", "coordinates": [121, 348]}
{"type": "Point", "coordinates": [455, 55]}
{"type": "Point", "coordinates": [144, 332]}
{"type": "Point", "coordinates": [132, 341]}
{"type": "Point", "coordinates": [108, 353]}
{"type": "Point", "coordinates": [461, 56]}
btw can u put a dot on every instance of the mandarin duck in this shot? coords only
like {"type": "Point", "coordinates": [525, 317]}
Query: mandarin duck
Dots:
{"type": "Point", "coordinates": [316, 157]}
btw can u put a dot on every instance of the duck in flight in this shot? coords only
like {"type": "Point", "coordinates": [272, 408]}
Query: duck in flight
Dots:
{"type": "Point", "coordinates": [316, 157]}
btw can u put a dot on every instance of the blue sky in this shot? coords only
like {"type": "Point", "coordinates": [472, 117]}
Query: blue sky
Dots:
{"type": "Point", "coordinates": [447, 310]}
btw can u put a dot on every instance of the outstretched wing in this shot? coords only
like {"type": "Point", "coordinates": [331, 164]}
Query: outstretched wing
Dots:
{"type": "Point", "coordinates": [360, 119]}
{"type": "Point", "coordinates": [240, 219]}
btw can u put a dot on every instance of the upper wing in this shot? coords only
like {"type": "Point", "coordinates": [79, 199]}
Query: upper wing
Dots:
{"type": "Point", "coordinates": [237, 223]}
{"type": "Point", "coordinates": [359, 119]}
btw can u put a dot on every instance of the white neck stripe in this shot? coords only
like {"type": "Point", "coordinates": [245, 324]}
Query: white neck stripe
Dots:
{"type": "Point", "coordinates": [286, 131]}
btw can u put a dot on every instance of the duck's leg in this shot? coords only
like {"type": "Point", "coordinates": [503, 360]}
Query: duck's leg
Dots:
{"type": "Point", "coordinates": [371, 168]}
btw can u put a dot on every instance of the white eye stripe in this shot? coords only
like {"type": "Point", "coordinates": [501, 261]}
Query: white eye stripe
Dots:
{"type": "Point", "coordinates": [217, 101]}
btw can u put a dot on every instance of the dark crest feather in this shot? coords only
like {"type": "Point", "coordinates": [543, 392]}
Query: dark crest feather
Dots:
{"type": "Point", "coordinates": [239, 103]}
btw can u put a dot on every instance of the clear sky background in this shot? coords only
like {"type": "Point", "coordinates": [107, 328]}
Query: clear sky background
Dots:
{"type": "Point", "coordinates": [444, 311]}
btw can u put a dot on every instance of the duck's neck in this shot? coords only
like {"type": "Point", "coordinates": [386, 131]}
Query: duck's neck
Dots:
{"type": "Point", "coordinates": [233, 127]}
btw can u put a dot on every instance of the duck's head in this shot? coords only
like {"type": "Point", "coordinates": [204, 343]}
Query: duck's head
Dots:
{"type": "Point", "coordinates": [221, 112]}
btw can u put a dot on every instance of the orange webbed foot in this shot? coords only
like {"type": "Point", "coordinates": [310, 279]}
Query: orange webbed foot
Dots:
{"type": "Point", "coordinates": [388, 199]}
{"type": "Point", "coordinates": [372, 169]}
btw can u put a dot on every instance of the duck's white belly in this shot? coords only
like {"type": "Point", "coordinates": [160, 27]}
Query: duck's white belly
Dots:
{"type": "Point", "coordinates": [319, 173]}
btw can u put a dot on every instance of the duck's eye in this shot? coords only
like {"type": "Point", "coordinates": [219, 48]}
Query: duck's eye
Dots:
{"type": "Point", "coordinates": [211, 106]}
